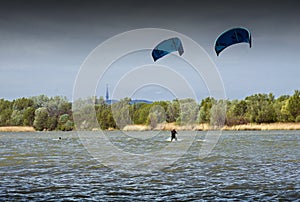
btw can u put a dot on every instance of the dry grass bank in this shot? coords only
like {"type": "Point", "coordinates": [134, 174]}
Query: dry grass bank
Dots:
{"type": "Point", "coordinates": [16, 129]}
{"type": "Point", "coordinates": [264, 126]}
{"type": "Point", "coordinates": [136, 128]}
{"type": "Point", "coordinates": [170, 126]}
{"type": "Point", "coordinates": [206, 127]}
{"type": "Point", "coordinates": [167, 126]}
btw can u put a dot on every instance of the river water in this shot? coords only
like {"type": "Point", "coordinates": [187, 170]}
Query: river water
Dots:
{"type": "Point", "coordinates": [246, 165]}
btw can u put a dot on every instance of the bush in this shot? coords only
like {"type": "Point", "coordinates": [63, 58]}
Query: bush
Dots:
{"type": "Point", "coordinates": [297, 120]}
{"type": "Point", "coordinates": [64, 123]}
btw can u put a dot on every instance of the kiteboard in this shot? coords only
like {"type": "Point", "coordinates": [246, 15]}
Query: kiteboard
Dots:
{"type": "Point", "coordinates": [174, 140]}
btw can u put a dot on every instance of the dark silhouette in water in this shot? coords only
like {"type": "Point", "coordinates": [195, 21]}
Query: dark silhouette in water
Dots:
{"type": "Point", "coordinates": [173, 135]}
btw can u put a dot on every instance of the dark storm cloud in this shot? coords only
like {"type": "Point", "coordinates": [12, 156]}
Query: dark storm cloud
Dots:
{"type": "Point", "coordinates": [54, 37]}
{"type": "Point", "coordinates": [65, 16]}
{"type": "Point", "coordinates": [69, 10]}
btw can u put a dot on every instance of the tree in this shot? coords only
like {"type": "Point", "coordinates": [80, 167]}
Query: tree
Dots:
{"type": "Point", "coordinates": [84, 113]}
{"type": "Point", "coordinates": [297, 120]}
{"type": "Point", "coordinates": [104, 115]}
{"type": "Point", "coordinates": [23, 112]}
{"type": "Point", "coordinates": [65, 123]}
{"type": "Point", "coordinates": [280, 107]}
{"type": "Point", "coordinates": [260, 108]}
{"type": "Point", "coordinates": [293, 105]}
{"type": "Point", "coordinates": [141, 114]}
{"type": "Point", "coordinates": [152, 120]}
{"type": "Point", "coordinates": [240, 108]}
{"type": "Point", "coordinates": [51, 123]}
{"type": "Point", "coordinates": [218, 114]}
{"type": "Point", "coordinates": [41, 119]}
{"type": "Point", "coordinates": [173, 111]}
{"type": "Point", "coordinates": [156, 115]}
{"type": "Point", "coordinates": [40, 101]}
{"type": "Point", "coordinates": [121, 113]}
{"type": "Point", "coordinates": [5, 117]}
{"type": "Point", "coordinates": [5, 112]}
{"type": "Point", "coordinates": [285, 113]}
{"type": "Point", "coordinates": [205, 107]}
{"type": "Point", "coordinates": [236, 111]}
{"type": "Point", "coordinates": [16, 118]}
{"type": "Point", "coordinates": [189, 111]}
{"type": "Point", "coordinates": [22, 104]}
{"type": "Point", "coordinates": [28, 116]}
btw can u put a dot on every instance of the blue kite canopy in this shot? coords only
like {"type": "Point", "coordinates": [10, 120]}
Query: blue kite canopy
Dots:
{"type": "Point", "coordinates": [232, 36]}
{"type": "Point", "coordinates": [167, 46]}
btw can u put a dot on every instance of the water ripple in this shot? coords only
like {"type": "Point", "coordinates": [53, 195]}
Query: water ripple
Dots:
{"type": "Point", "coordinates": [248, 166]}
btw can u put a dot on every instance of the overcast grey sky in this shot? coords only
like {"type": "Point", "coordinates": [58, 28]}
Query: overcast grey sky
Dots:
{"type": "Point", "coordinates": [44, 43]}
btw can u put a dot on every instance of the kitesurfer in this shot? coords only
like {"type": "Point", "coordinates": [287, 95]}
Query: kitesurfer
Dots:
{"type": "Point", "coordinates": [173, 135]}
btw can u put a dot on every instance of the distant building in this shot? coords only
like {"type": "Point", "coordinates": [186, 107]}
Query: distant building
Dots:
{"type": "Point", "coordinates": [140, 101]}
{"type": "Point", "coordinates": [107, 94]}
{"type": "Point", "coordinates": [108, 101]}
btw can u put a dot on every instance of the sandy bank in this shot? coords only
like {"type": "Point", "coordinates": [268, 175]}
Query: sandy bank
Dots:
{"type": "Point", "coordinates": [16, 129]}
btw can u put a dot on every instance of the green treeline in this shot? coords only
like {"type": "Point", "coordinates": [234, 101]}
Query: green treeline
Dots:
{"type": "Point", "coordinates": [41, 112]}
{"type": "Point", "coordinates": [55, 113]}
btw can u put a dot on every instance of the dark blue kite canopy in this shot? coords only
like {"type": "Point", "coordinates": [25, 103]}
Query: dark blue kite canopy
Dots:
{"type": "Point", "coordinates": [232, 36]}
{"type": "Point", "coordinates": [167, 46]}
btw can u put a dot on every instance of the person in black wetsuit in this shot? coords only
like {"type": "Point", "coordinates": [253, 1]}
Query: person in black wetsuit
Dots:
{"type": "Point", "coordinates": [173, 135]}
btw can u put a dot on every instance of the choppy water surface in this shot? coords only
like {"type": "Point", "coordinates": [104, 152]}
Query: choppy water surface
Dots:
{"type": "Point", "coordinates": [247, 166]}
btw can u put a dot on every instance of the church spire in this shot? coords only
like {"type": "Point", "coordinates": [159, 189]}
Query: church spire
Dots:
{"type": "Point", "coordinates": [107, 95]}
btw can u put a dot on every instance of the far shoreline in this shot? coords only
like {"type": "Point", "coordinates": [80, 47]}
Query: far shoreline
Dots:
{"type": "Point", "coordinates": [170, 126]}
{"type": "Point", "coordinates": [17, 129]}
